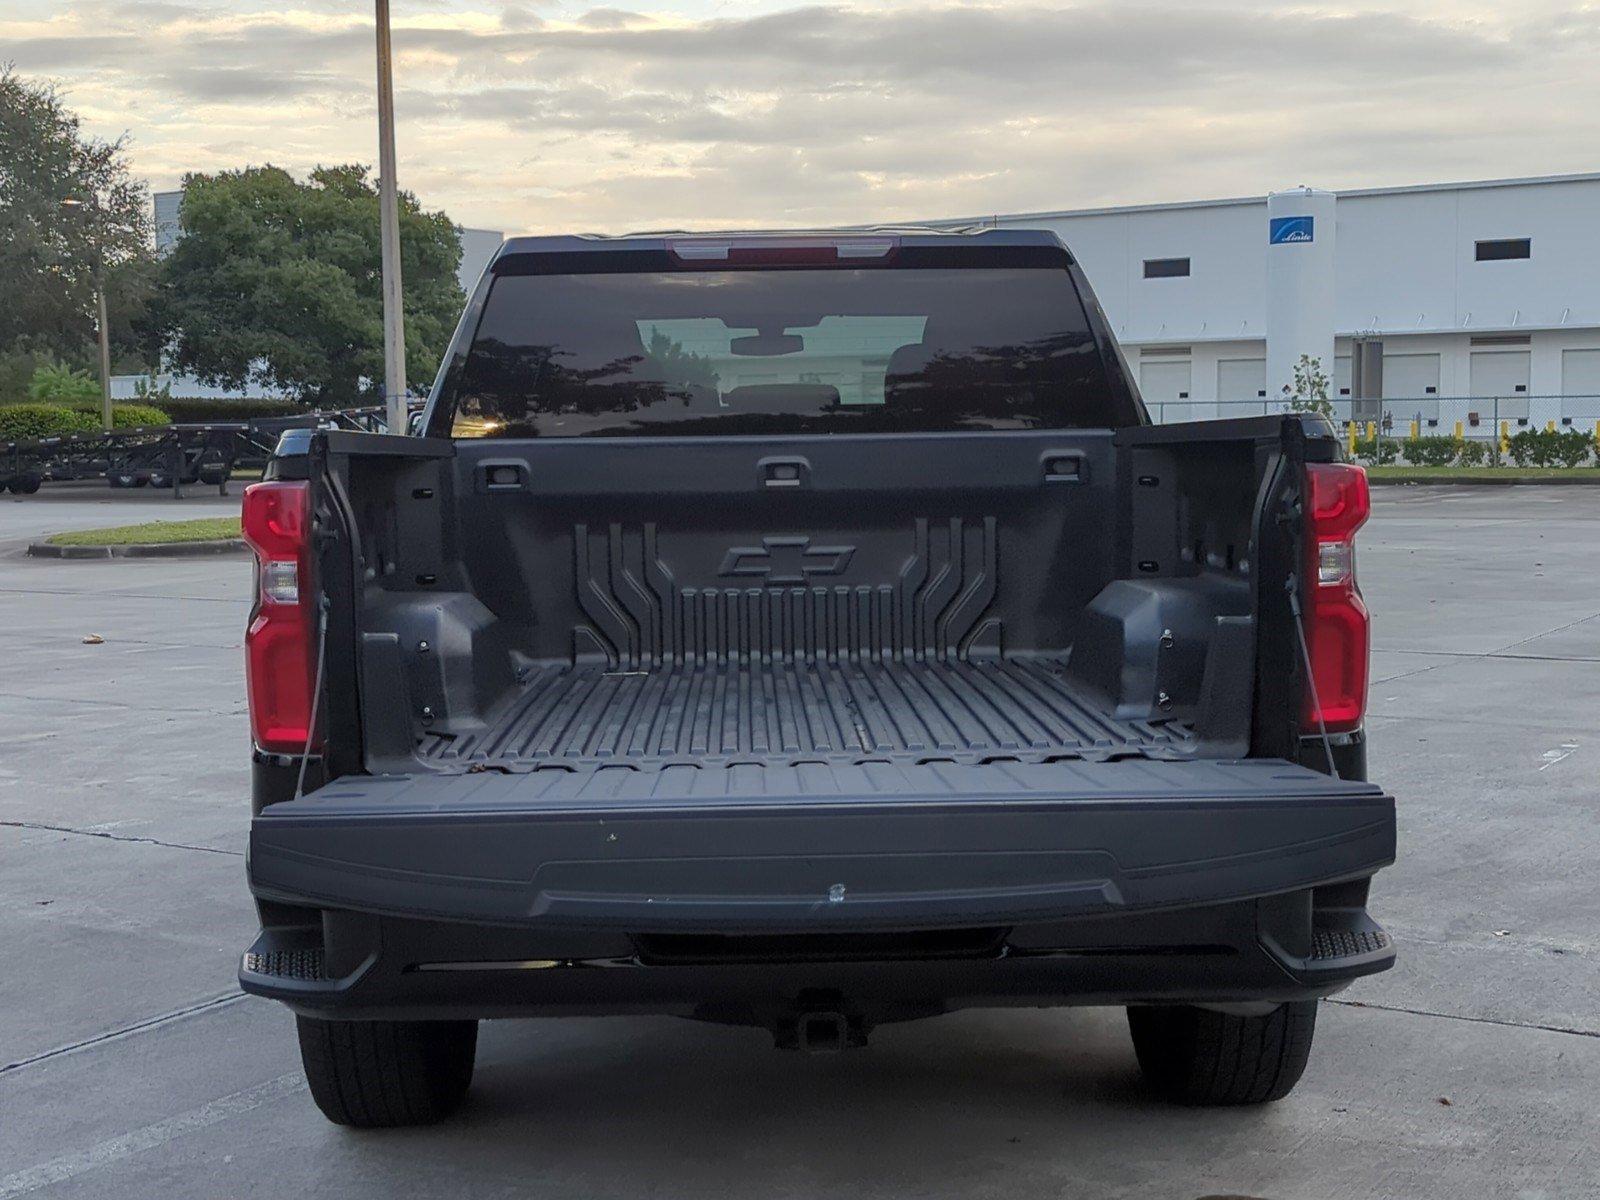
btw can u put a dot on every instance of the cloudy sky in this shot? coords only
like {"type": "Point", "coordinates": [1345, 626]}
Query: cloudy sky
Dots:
{"type": "Point", "coordinates": [563, 116]}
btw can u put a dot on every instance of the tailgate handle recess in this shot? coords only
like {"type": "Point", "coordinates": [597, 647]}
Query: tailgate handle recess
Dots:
{"type": "Point", "coordinates": [785, 472]}
{"type": "Point", "coordinates": [1064, 466]}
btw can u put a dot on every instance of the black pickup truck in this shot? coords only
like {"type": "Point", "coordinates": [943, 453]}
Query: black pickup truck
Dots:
{"type": "Point", "coordinates": [806, 632]}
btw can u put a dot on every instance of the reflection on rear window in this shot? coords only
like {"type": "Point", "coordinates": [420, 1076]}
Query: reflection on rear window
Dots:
{"type": "Point", "coordinates": [825, 351]}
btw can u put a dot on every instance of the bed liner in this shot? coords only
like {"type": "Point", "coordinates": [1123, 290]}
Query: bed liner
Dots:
{"type": "Point", "coordinates": [781, 713]}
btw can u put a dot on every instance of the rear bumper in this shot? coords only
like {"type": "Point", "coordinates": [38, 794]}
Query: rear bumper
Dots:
{"type": "Point", "coordinates": [388, 898]}
{"type": "Point", "coordinates": [351, 966]}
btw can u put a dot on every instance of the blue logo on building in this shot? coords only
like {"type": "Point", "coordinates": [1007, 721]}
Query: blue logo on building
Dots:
{"type": "Point", "coordinates": [1285, 230]}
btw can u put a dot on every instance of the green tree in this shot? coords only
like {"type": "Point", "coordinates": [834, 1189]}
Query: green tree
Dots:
{"type": "Point", "coordinates": [1310, 391]}
{"type": "Point", "coordinates": [49, 253]}
{"type": "Point", "coordinates": [278, 283]}
{"type": "Point", "coordinates": [57, 384]}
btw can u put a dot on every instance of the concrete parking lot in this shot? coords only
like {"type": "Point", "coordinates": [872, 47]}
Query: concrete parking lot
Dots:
{"type": "Point", "coordinates": [130, 1066]}
{"type": "Point", "coordinates": [58, 507]}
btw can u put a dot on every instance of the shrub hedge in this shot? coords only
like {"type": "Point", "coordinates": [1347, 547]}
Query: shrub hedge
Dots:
{"type": "Point", "coordinates": [124, 416]}
{"type": "Point", "coordinates": [1551, 448]}
{"type": "Point", "coordinates": [1369, 450]}
{"type": "Point", "coordinates": [186, 410]}
{"type": "Point", "coordinates": [26, 420]}
{"type": "Point", "coordinates": [30, 422]}
{"type": "Point", "coordinates": [1573, 447]}
{"type": "Point", "coordinates": [1527, 448]}
{"type": "Point", "coordinates": [193, 411]}
{"type": "Point", "coordinates": [1430, 451]}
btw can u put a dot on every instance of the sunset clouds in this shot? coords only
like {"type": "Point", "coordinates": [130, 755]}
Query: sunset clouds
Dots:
{"type": "Point", "coordinates": [562, 117]}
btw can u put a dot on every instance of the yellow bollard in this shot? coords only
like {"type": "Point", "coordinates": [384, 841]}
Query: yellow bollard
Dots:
{"type": "Point", "coordinates": [1459, 430]}
{"type": "Point", "coordinates": [1549, 426]}
{"type": "Point", "coordinates": [1597, 433]}
{"type": "Point", "coordinates": [1350, 436]}
{"type": "Point", "coordinates": [1416, 427]}
{"type": "Point", "coordinates": [1372, 431]}
{"type": "Point", "coordinates": [1505, 437]}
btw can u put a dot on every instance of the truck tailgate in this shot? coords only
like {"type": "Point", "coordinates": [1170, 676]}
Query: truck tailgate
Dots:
{"type": "Point", "coordinates": [818, 846]}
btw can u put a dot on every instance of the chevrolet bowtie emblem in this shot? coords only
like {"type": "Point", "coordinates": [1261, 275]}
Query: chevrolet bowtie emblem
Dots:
{"type": "Point", "coordinates": [786, 560]}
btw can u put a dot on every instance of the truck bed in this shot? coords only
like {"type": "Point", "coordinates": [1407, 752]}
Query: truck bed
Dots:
{"type": "Point", "coordinates": [779, 713]}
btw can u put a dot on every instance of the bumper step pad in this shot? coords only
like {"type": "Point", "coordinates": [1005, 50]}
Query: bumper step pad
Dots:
{"type": "Point", "coordinates": [302, 964]}
{"type": "Point", "coordinates": [1329, 944]}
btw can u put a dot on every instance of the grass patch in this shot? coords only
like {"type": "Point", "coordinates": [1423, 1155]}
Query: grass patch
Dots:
{"type": "Point", "coordinates": [203, 529]}
{"type": "Point", "coordinates": [1505, 474]}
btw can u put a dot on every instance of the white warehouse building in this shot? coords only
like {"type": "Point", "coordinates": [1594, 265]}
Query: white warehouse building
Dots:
{"type": "Point", "coordinates": [1481, 301]}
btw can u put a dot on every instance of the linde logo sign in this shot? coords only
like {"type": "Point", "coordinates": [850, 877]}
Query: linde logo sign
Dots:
{"type": "Point", "coordinates": [1285, 230]}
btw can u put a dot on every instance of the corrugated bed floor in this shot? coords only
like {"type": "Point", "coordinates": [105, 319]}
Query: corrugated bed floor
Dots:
{"type": "Point", "coordinates": [788, 712]}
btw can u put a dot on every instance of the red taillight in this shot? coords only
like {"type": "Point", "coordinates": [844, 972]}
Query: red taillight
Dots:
{"type": "Point", "coordinates": [1337, 504]}
{"type": "Point", "coordinates": [276, 521]}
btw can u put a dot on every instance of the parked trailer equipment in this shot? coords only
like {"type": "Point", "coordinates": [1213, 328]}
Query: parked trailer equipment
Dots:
{"type": "Point", "coordinates": [165, 456]}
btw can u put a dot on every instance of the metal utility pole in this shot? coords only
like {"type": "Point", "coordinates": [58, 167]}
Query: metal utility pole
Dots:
{"type": "Point", "coordinates": [105, 347]}
{"type": "Point", "coordinates": [394, 330]}
{"type": "Point", "coordinates": [72, 206]}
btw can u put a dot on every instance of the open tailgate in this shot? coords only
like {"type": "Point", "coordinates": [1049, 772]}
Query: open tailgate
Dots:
{"type": "Point", "coordinates": [817, 846]}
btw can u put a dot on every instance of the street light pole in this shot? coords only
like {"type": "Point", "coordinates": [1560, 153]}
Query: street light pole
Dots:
{"type": "Point", "coordinates": [75, 207]}
{"type": "Point", "coordinates": [105, 347]}
{"type": "Point", "coordinates": [394, 332]}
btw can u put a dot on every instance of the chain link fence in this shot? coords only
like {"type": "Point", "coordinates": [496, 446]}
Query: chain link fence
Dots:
{"type": "Point", "coordinates": [1435, 430]}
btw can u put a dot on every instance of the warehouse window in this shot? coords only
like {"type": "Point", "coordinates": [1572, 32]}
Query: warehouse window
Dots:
{"type": "Point", "coordinates": [1503, 248]}
{"type": "Point", "coordinates": [1166, 268]}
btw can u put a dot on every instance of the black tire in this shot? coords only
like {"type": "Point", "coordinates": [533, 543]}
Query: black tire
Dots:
{"type": "Point", "coordinates": [381, 1074]}
{"type": "Point", "coordinates": [159, 480]}
{"type": "Point", "coordinates": [1196, 1056]}
{"type": "Point", "coordinates": [28, 484]}
{"type": "Point", "coordinates": [122, 479]}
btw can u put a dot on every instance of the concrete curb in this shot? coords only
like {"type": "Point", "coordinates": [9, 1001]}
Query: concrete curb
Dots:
{"type": "Point", "coordinates": [1487, 481]}
{"type": "Point", "coordinates": [148, 550]}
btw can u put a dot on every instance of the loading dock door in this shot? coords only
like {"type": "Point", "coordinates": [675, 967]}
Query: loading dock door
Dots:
{"type": "Point", "coordinates": [1503, 374]}
{"type": "Point", "coordinates": [1241, 380]}
{"type": "Point", "coordinates": [1167, 382]}
{"type": "Point", "coordinates": [1410, 376]}
{"type": "Point", "coordinates": [1411, 381]}
{"type": "Point", "coordinates": [1580, 373]}
{"type": "Point", "coordinates": [1580, 384]}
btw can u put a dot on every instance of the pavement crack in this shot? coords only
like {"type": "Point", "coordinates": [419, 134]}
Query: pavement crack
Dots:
{"type": "Point", "coordinates": [118, 640]}
{"type": "Point", "coordinates": [119, 837]}
{"type": "Point", "coordinates": [112, 1035]}
{"type": "Point", "coordinates": [1444, 1016]}
{"type": "Point", "coordinates": [1535, 637]}
{"type": "Point", "coordinates": [144, 708]}
{"type": "Point", "coordinates": [149, 1137]}
{"type": "Point", "coordinates": [1572, 658]}
{"type": "Point", "coordinates": [234, 600]}
{"type": "Point", "coordinates": [1497, 652]}
{"type": "Point", "coordinates": [1541, 726]}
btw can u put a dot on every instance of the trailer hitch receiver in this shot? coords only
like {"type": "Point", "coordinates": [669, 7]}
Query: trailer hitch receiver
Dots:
{"type": "Point", "coordinates": [820, 1032]}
